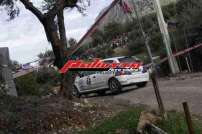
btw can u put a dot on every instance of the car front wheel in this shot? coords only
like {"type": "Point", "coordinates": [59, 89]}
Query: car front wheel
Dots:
{"type": "Point", "coordinates": [114, 85]}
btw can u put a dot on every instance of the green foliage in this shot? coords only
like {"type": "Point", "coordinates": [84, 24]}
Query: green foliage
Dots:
{"type": "Point", "coordinates": [189, 13]}
{"type": "Point", "coordinates": [98, 38]}
{"type": "Point", "coordinates": [47, 53]}
{"type": "Point", "coordinates": [124, 120]}
{"type": "Point", "coordinates": [104, 51]}
{"type": "Point", "coordinates": [37, 83]}
{"type": "Point", "coordinates": [130, 26]}
{"type": "Point", "coordinates": [157, 45]}
{"type": "Point", "coordinates": [136, 46]}
{"type": "Point", "coordinates": [176, 124]}
{"type": "Point", "coordinates": [47, 75]}
{"type": "Point", "coordinates": [72, 42]}
{"type": "Point", "coordinates": [128, 120]}
{"type": "Point", "coordinates": [186, 26]}
{"type": "Point", "coordinates": [112, 30]}
{"type": "Point", "coordinates": [169, 11]}
{"type": "Point", "coordinates": [14, 65]}
{"type": "Point", "coordinates": [12, 9]}
{"type": "Point", "coordinates": [48, 4]}
{"type": "Point", "coordinates": [136, 43]}
{"type": "Point", "coordinates": [27, 85]}
{"type": "Point", "coordinates": [100, 53]}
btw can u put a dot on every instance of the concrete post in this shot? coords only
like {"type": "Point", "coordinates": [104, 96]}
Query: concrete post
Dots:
{"type": "Point", "coordinates": [166, 37]}
{"type": "Point", "coordinates": [6, 71]}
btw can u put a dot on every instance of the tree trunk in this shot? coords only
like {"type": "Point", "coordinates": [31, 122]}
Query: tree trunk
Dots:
{"type": "Point", "coordinates": [62, 30]}
{"type": "Point", "coordinates": [67, 81]}
{"type": "Point", "coordinates": [66, 85]}
{"type": "Point", "coordinates": [58, 42]}
{"type": "Point", "coordinates": [66, 78]}
{"type": "Point", "coordinates": [57, 45]}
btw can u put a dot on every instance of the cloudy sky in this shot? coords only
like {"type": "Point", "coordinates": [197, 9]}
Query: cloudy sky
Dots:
{"type": "Point", "coordinates": [26, 38]}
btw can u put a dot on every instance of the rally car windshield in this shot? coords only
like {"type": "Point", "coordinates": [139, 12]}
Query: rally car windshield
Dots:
{"type": "Point", "coordinates": [128, 59]}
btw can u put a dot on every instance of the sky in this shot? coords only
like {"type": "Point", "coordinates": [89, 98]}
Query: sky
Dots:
{"type": "Point", "coordinates": [26, 38]}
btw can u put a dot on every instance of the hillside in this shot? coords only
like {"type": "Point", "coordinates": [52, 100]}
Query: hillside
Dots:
{"type": "Point", "coordinates": [116, 14]}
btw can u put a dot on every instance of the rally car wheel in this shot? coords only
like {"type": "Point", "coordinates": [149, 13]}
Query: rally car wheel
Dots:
{"type": "Point", "coordinates": [114, 85]}
{"type": "Point", "coordinates": [75, 92]}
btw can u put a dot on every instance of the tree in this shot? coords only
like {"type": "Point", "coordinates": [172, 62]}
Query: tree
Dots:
{"type": "Point", "coordinates": [112, 30]}
{"type": "Point", "coordinates": [14, 65]}
{"type": "Point", "coordinates": [52, 21]}
{"type": "Point", "coordinates": [46, 54]}
{"type": "Point", "coordinates": [189, 13]}
{"type": "Point", "coordinates": [189, 33]}
{"type": "Point", "coordinates": [98, 38]}
{"type": "Point", "coordinates": [46, 58]}
{"type": "Point", "coordinates": [72, 42]}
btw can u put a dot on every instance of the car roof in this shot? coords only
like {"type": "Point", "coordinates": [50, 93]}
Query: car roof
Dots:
{"type": "Point", "coordinates": [114, 58]}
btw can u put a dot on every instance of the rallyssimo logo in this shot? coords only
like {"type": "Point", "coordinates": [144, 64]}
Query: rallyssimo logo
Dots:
{"type": "Point", "coordinates": [96, 65]}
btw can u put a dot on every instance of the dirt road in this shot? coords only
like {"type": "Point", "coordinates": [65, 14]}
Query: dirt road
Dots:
{"type": "Point", "coordinates": [173, 91]}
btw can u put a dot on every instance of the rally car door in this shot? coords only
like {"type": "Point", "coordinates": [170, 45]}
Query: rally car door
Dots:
{"type": "Point", "coordinates": [97, 80]}
{"type": "Point", "coordinates": [82, 85]}
{"type": "Point", "coordinates": [84, 82]}
{"type": "Point", "coordinates": [93, 80]}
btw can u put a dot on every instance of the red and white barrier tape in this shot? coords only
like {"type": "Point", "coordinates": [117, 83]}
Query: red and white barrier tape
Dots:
{"type": "Point", "coordinates": [178, 53]}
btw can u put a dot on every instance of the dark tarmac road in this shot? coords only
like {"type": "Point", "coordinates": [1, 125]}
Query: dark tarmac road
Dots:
{"type": "Point", "coordinates": [173, 91]}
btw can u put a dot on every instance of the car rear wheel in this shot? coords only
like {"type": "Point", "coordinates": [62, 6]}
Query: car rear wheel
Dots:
{"type": "Point", "coordinates": [142, 84]}
{"type": "Point", "coordinates": [114, 85]}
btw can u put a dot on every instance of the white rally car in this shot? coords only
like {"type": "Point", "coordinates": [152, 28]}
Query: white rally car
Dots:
{"type": "Point", "coordinates": [99, 81]}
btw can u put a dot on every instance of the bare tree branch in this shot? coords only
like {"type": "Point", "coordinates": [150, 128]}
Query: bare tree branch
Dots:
{"type": "Point", "coordinates": [60, 5]}
{"type": "Point", "coordinates": [29, 5]}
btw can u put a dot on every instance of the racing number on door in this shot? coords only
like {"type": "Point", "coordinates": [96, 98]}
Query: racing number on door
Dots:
{"type": "Point", "coordinates": [88, 81]}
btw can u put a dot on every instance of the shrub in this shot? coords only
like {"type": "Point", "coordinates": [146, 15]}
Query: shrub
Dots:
{"type": "Point", "coordinates": [47, 75]}
{"type": "Point", "coordinates": [27, 85]}
{"type": "Point", "coordinates": [128, 121]}
{"type": "Point", "coordinates": [38, 83]}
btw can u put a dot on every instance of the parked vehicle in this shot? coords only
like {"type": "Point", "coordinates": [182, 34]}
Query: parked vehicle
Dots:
{"type": "Point", "coordinates": [101, 81]}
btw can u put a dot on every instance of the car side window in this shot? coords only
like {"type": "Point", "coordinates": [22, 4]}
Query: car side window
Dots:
{"type": "Point", "coordinates": [86, 73]}
{"type": "Point", "coordinates": [128, 59]}
{"type": "Point", "coordinates": [109, 61]}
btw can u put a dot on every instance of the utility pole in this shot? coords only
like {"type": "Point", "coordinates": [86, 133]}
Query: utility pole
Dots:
{"type": "Point", "coordinates": [153, 74]}
{"type": "Point", "coordinates": [166, 38]}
